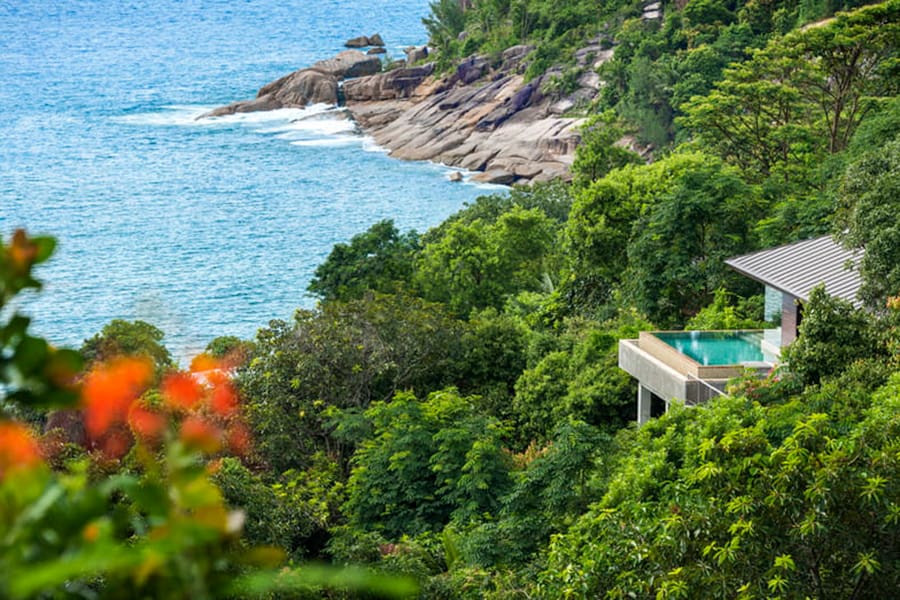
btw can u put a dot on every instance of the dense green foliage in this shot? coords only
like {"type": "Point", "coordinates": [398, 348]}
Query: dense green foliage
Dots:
{"type": "Point", "coordinates": [128, 338]}
{"type": "Point", "coordinates": [795, 497]}
{"type": "Point", "coordinates": [481, 424]}
{"type": "Point", "coordinates": [375, 260]}
{"type": "Point", "coordinates": [870, 199]}
{"type": "Point", "coordinates": [130, 509]}
{"type": "Point", "coordinates": [452, 409]}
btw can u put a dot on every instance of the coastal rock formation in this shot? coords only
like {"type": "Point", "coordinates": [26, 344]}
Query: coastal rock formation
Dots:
{"type": "Point", "coordinates": [416, 54]}
{"type": "Point", "coordinates": [309, 86]}
{"type": "Point", "coordinates": [363, 41]}
{"type": "Point", "coordinates": [315, 85]}
{"type": "Point", "coordinates": [480, 117]}
{"type": "Point", "coordinates": [300, 88]}
{"type": "Point", "coordinates": [357, 42]}
{"type": "Point", "coordinates": [397, 83]}
{"type": "Point", "coordinates": [349, 63]}
{"type": "Point", "coordinates": [483, 116]}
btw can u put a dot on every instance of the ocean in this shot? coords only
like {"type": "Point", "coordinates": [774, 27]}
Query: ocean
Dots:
{"type": "Point", "coordinates": [203, 228]}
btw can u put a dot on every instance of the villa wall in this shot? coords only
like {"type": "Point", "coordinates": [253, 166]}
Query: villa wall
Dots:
{"type": "Point", "coordinates": [663, 371]}
{"type": "Point", "coordinates": [662, 378]}
{"type": "Point", "coordinates": [790, 318]}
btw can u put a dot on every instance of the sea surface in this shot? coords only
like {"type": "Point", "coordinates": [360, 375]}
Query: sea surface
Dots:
{"type": "Point", "coordinates": [202, 227]}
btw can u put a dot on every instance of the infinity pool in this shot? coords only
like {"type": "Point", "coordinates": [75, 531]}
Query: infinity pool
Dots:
{"type": "Point", "coordinates": [716, 347]}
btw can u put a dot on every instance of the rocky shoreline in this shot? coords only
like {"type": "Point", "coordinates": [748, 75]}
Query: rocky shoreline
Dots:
{"type": "Point", "coordinates": [483, 116]}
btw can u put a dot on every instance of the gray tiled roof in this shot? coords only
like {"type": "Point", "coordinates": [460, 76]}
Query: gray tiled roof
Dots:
{"type": "Point", "coordinates": [799, 267]}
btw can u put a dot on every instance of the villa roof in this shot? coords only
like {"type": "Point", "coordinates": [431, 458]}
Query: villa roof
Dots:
{"type": "Point", "coordinates": [799, 267]}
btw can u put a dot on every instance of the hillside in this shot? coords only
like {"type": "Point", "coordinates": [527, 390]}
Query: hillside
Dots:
{"type": "Point", "coordinates": [452, 411]}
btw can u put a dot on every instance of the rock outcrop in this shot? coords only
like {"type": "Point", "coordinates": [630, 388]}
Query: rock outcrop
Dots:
{"type": "Point", "coordinates": [349, 63]}
{"type": "Point", "coordinates": [363, 41]}
{"type": "Point", "coordinates": [315, 85]}
{"type": "Point", "coordinates": [397, 83]}
{"type": "Point", "coordinates": [483, 116]}
{"type": "Point", "coordinates": [357, 42]}
{"type": "Point", "coordinates": [416, 54]}
{"type": "Point", "coordinates": [299, 89]}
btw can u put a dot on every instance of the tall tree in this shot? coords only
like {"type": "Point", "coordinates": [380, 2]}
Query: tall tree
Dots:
{"type": "Point", "coordinates": [380, 259]}
{"type": "Point", "coordinates": [304, 377]}
{"type": "Point", "coordinates": [475, 265]}
{"type": "Point", "coordinates": [855, 58]}
{"type": "Point", "coordinates": [602, 220]}
{"type": "Point", "coordinates": [128, 338]}
{"type": "Point", "coordinates": [677, 253]}
{"type": "Point", "coordinates": [803, 95]}
{"type": "Point", "coordinates": [867, 219]}
{"type": "Point", "coordinates": [427, 461]}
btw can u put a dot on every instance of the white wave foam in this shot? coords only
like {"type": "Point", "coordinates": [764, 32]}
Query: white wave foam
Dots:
{"type": "Point", "coordinates": [315, 125]}
{"type": "Point", "coordinates": [467, 176]}
{"type": "Point", "coordinates": [180, 114]}
{"type": "Point", "coordinates": [492, 187]}
{"type": "Point", "coordinates": [310, 127]}
{"type": "Point", "coordinates": [279, 115]}
{"type": "Point", "coordinates": [170, 115]}
{"type": "Point", "coordinates": [369, 145]}
{"type": "Point", "coordinates": [330, 142]}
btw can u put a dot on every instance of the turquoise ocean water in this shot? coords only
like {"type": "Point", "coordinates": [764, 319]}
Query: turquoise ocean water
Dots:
{"type": "Point", "coordinates": [203, 228]}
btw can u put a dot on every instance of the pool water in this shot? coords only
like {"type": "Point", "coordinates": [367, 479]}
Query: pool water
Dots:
{"type": "Point", "coordinates": [717, 347]}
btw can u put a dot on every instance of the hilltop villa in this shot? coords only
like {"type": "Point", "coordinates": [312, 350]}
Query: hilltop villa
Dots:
{"type": "Point", "coordinates": [693, 366]}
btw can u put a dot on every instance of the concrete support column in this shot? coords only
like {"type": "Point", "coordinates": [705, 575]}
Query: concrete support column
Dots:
{"type": "Point", "coordinates": [644, 397]}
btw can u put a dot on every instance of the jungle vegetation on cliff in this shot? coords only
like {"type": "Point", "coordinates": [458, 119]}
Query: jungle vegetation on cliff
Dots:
{"type": "Point", "coordinates": [451, 413]}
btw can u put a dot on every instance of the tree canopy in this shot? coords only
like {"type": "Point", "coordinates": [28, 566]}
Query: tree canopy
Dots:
{"type": "Point", "coordinates": [451, 411]}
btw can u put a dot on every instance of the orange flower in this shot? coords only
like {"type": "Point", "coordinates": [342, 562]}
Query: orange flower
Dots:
{"type": "Point", "coordinates": [204, 362]}
{"type": "Point", "coordinates": [216, 377]}
{"type": "Point", "coordinates": [182, 391]}
{"type": "Point", "coordinates": [239, 439]}
{"type": "Point", "coordinates": [224, 400]}
{"type": "Point", "coordinates": [22, 251]}
{"type": "Point", "coordinates": [146, 424]}
{"type": "Point", "coordinates": [18, 448]}
{"type": "Point", "coordinates": [200, 434]}
{"type": "Point", "coordinates": [115, 443]}
{"type": "Point", "coordinates": [91, 532]}
{"type": "Point", "coordinates": [109, 391]}
{"type": "Point", "coordinates": [214, 466]}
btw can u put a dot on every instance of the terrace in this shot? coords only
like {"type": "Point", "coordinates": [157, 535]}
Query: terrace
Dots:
{"type": "Point", "coordinates": [694, 366]}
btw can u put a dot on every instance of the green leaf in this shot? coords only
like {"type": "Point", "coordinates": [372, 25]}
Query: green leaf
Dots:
{"type": "Point", "coordinates": [30, 354]}
{"type": "Point", "coordinates": [16, 328]}
{"type": "Point", "coordinates": [785, 562]}
{"type": "Point", "coordinates": [45, 246]}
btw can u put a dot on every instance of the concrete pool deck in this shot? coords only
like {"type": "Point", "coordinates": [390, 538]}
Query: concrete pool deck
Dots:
{"type": "Point", "coordinates": [667, 374]}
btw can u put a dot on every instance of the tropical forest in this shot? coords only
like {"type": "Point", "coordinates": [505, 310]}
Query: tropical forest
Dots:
{"type": "Point", "coordinates": [450, 421]}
